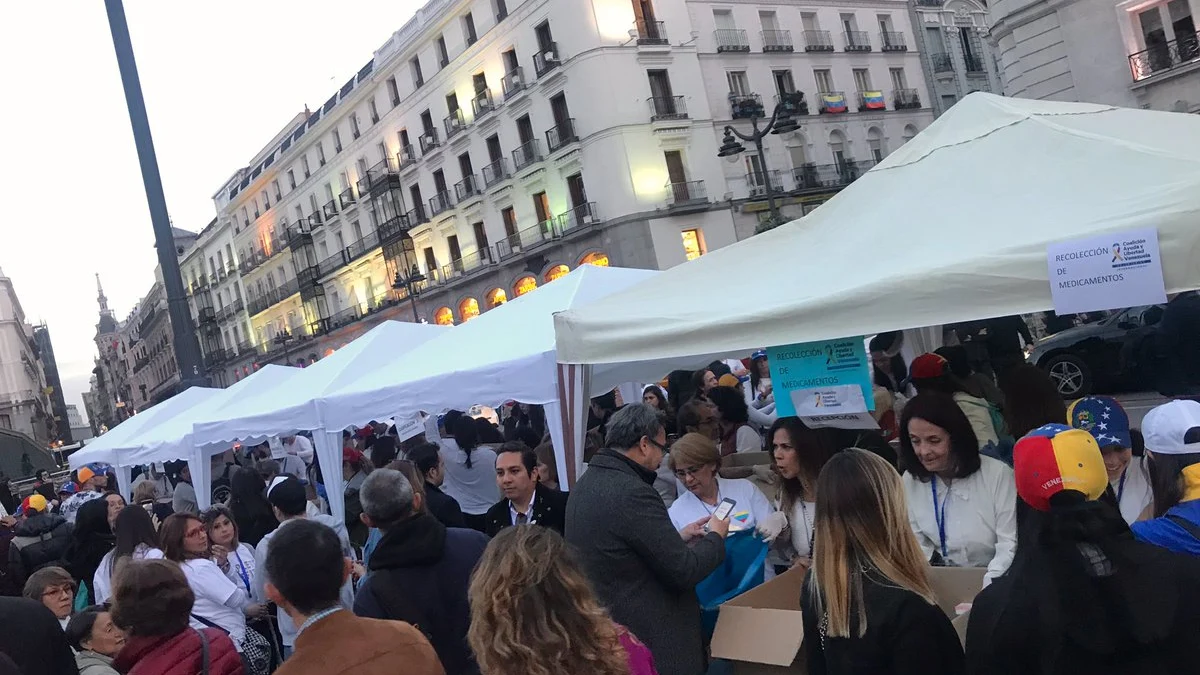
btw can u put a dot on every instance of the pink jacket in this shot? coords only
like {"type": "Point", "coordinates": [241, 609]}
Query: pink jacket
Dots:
{"type": "Point", "coordinates": [641, 661]}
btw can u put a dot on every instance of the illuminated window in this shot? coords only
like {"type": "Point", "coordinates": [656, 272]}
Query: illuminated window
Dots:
{"type": "Point", "coordinates": [329, 352]}
{"type": "Point", "coordinates": [468, 309]}
{"type": "Point", "coordinates": [444, 317]}
{"type": "Point", "coordinates": [524, 285]}
{"type": "Point", "coordinates": [597, 259]}
{"type": "Point", "coordinates": [556, 272]}
{"type": "Point", "coordinates": [693, 244]}
{"type": "Point", "coordinates": [496, 297]}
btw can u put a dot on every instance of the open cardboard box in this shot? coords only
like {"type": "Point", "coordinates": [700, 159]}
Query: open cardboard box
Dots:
{"type": "Point", "coordinates": [761, 632]}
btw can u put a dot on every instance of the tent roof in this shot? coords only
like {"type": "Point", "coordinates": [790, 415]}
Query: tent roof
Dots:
{"type": "Point", "coordinates": [952, 226]}
{"type": "Point", "coordinates": [505, 353]}
{"type": "Point", "coordinates": [112, 447]}
{"type": "Point", "coordinates": [289, 407]}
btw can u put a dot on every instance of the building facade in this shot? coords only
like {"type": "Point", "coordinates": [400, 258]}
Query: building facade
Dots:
{"type": "Point", "coordinates": [1132, 53]}
{"type": "Point", "coordinates": [25, 405]}
{"type": "Point", "coordinates": [955, 55]}
{"type": "Point", "coordinates": [61, 433]}
{"type": "Point", "coordinates": [491, 146]}
{"type": "Point", "coordinates": [80, 430]}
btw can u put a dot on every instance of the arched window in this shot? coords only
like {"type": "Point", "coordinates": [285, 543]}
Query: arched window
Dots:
{"type": "Point", "coordinates": [443, 317]}
{"type": "Point", "coordinates": [875, 144]}
{"type": "Point", "coordinates": [524, 285]}
{"type": "Point", "coordinates": [468, 309]}
{"type": "Point", "coordinates": [496, 297]}
{"type": "Point", "coordinates": [556, 272]}
{"type": "Point", "coordinates": [909, 132]}
{"type": "Point", "coordinates": [595, 258]}
{"type": "Point", "coordinates": [837, 146]}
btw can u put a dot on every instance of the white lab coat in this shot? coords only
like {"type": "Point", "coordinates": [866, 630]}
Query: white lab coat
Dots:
{"type": "Point", "coordinates": [980, 517]}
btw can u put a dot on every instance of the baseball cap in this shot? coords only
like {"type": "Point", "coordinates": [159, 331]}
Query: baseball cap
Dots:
{"type": "Point", "coordinates": [1055, 458]}
{"type": "Point", "coordinates": [287, 494]}
{"type": "Point", "coordinates": [1102, 417]}
{"type": "Point", "coordinates": [32, 503]}
{"type": "Point", "coordinates": [1173, 428]}
{"type": "Point", "coordinates": [351, 456]}
{"type": "Point", "coordinates": [927, 366]}
{"type": "Point", "coordinates": [85, 473]}
{"type": "Point", "coordinates": [69, 488]}
{"type": "Point", "coordinates": [728, 380]}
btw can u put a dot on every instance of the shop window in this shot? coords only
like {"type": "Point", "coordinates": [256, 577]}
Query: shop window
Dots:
{"type": "Point", "coordinates": [468, 309]}
{"type": "Point", "coordinates": [598, 259]}
{"type": "Point", "coordinates": [496, 297]}
{"type": "Point", "coordinates": [693, 244]}
{"type": "Point", "coordinates": [443, 317]}
{"type": "Point", "coordinates": [556, 272]}
{"type": "Point", "coordinates": [524, 285]}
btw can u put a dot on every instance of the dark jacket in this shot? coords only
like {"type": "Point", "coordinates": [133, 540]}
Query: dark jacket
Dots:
{"type": "Point", "coordinates": [419, 574]}
{"type": "Point", "coordinates": [638, 564]}
{"type": "Point", "coordinates": [38, 541]}
{"type": "Point", "coordinates": [33, 639]}
{"type": "Point", "coordinates": [549, 510]}
{"type": "Point", "coordinates": [91, 540]}
{"type": "Point", "coordinates": [905, 635]}
{"type": "Point", "coordinates": [179, 654]}
{"type": "Point", "coordinates": [443, 507]}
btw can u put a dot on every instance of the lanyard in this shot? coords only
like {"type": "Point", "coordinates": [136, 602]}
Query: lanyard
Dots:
{"type": "Point", "coordinates": [1121, 485]}
{"type": "Point", "coordinates": [808, 526]}
{"type": "Point", "coordinates": [242, 570]}
{"type": "Point", "coordinates": [939, 514]}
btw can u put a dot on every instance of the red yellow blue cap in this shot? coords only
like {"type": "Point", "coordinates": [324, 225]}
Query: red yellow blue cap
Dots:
{"type": "Point", "coordinates": [1055, 458]}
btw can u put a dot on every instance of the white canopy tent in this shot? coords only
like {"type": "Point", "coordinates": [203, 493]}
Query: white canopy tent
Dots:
{"type": "Point", "coordinates": [290, 406]}
{"type": "Point", "coordinates": [953, 226]}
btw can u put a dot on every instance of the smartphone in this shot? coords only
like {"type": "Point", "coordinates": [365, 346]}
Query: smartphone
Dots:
{"type": "Point", "coordinates": [724, 509]}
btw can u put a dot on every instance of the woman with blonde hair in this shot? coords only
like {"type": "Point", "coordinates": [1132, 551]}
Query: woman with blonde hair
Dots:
{"type": "Point", "coordinates": [533, 613]}
{"type": "Point", "coordinates": [867, 603]}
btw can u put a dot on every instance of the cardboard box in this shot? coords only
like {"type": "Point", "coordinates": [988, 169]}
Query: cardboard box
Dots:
{"type": "Point", "coordinates": [761, 631]}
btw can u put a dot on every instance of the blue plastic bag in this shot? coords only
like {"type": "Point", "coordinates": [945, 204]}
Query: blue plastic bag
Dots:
{"type": "Point", "coordinates": [743, 569]}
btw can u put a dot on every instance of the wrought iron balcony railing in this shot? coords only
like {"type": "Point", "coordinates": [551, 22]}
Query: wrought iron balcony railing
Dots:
{"type": "Point", "coordinates": [1164, 57]}
{"type": "Point", "coordinates": [496, 172]}
{"type": "Point", "coordinates": [942, 63]}
{"type": "Point", "coordinates": [906, 99]}
{"type": "Point", "coordinates": [454, 123]}
{"type": "Point", "coordinates": [777, 41]}
{"type": "Point", "coordinates": [731, 40]}
{"type": "Point", "coordinates": [817, 41]}
{"type": "Point", "coordinates": [467, 264]}
{"type": "Point", "coordinates": [892, 41]}
{"type": "Point", "coordinates": [584, 214]}
{"type": "Point", "coordinates": [686, 192]}
{"type": "Point", "coordinates": [745, 106]}
{"type": "Point", "coordinates": [651, 32]}
{"type": "Point", "coordinates": [546, 60]}
{"type": "Point", "coordinates": [347, 197]}
{"type": "Point", "coordinates": [330, 209]}
{"type": "Point", "coordinates": [429, 141]}
{"type": "Point", "coordinates": [857, 41]}
{"type": "Point", "coordinates": [482, 104]}
{"type": "Point", "coordinates": [468, 187]}
{"type": "Point", "coordinates": [513, 83]}
{"type": "Point", "coordinates": [440, 202]}
{"type": "Point", "coordinates": [667, 108]}
{"type": "Point", "coordinates": [526, 154]}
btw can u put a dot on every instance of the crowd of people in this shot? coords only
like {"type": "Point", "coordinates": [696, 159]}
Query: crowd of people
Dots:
{"type": "Point", "coordinates": [460, 554]}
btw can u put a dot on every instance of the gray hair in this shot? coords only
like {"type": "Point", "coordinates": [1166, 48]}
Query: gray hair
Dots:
{"type": "Point", "coordinates": [386, 496]}
{"type": "Point", "coordinates": [628, 425]}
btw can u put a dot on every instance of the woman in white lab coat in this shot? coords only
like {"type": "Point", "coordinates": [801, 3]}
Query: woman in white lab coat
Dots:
{"type": "Point", "coordinates": [961, 505]}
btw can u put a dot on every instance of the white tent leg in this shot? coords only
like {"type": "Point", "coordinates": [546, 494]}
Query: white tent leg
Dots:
{"type": "Point", "coordinates": [574, 382]}
{"type": "Point", "coordinates": [125, 481]}
{"type": "Point", "coordinates": [200, 465]}
{"type": "Point", "coordinates": [328, 447]}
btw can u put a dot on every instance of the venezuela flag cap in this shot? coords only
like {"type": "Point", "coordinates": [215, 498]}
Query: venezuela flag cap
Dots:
{"type": "Point", "coordinates": [1054, 458]}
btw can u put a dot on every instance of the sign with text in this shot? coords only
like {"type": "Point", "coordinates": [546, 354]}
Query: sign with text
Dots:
{"type": "Point", "coordinates": [406, 428]}
{"type": "Point", "coordinates": [830, 377]}
{"type": "Point", "coordinates": [1111, 271]}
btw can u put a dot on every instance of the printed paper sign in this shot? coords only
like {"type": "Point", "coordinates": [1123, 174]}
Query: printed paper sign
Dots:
{"type": "Point", "coordinates": [821, 375]}
{"type": "Point", "coordinates": [407, 428]}
{"type": "Point", "coordinates": [1111, 271]}
{"type": "Point", "coordinates": [861, 420]}
{"type": "Point", "coordinates": [277, 451]}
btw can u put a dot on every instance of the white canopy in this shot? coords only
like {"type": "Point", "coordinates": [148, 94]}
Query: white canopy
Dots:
{"type": "Point", "coordinates": [115, 446]}
{"type": "Point", "coordinates": [952, 226]}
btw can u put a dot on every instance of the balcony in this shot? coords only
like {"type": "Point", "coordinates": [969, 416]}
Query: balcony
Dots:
{"type": "Point", "coordinates": [309, 276]}
{"type": "Point", "coordinates": [206, 315]}
{"type": "Point", "coordinates": [348, 255]}
{"type": "Point", "coordinates": [380, 177]}
{"type": "Point", "coordinates": [330, 209]}
{"type": "Point", "coordinates": [429, 141]}
{"type": "Point", "coordinates": [496, 172]}
{"type": "Point", "coordinates": [584, 214]}
{"type": "Point", "coordinates": [244, 347]}
{"type": "Point", "coordinates": [777, 41]}
{"type": "Point", "coordinates": [793, 102]}
{"type": "Point", "coordinates": [823, 177]}
{"type": "Point", "coordinates": [857, 41]}
{"type": "Point", "coordinates": [817, 41]}
{"type": "Point", "coordinates": [454, 123]}
{"type": "Point", "coordinates": [667, 108]}
{"type": "Point", "coordinates": [1161, 58]}
{"type": "Point", "coordinates": [216, 357]}
{"type": "Point", "coordinates": [892, 41]}
{"type": "Point", "coordinates": [440, 203]}
{"type": "Point", "coordinates": [417, 216]}
{"type": "Point", "coordinates": [526, 154]}
{"type": "Point", "coordinates": [929, 3]}
{"type": "Point", "coordinates": [689, 193]}
{"type": "Point", "coordinates": [975, 64]}
{"type": "Point", "coordinates": [650, 33]}
{"type": "Point", "coordinates": [871, 100]}
{"type": "Point", "coordinates": [906, 99]}
{"type": "Point", "coordinates": [299, 236]}
{"type": "Point", "coordinates": [468, 187]}
{"type": "Point", "coordinates": [745, 106]}
{"type": "Point", "coordinates": [347, 198]}
{"type": "Point", "coordinates": [393, 229]}
{"type": "Point", "coordinates": [513, 83]}
{"type": "Point", "coordinates": [406, 157]}
{"type": "Point", "coordinates": [482, 104]}
{"type": "Point", "coordinates": [467, 264]}
{"type": "Point", "coordinates": [758, 185]}
{"type": "Point", "coordinates": [315, 219]}
{"type": "Point", "coordinates": [546, 60]}
{"type": "Point", "coordinates": [833, 103]}
{"type": "Point", "coordinates": [942, 63]}
{"type": "Point", "coordinates": [561, 135]}
{"type": "Point", "coordinates": [526, 239]}
{"type": "Point", "coordinates": [731, 40]}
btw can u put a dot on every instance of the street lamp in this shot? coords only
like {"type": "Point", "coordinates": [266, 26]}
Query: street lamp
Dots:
{"type": "Point", "coordinates": [781, 122]}
{"type": "Point", "coordinates": [408, 283]}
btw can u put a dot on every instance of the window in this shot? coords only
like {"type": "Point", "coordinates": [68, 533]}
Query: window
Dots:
{"type": "Point", "coordinates": [948, 100]}
{"type": "Point", "coordinates": [769, 21]}
{"type": "Point", "coordinates": [266, 201]}
{"type": "Point", "coordinates": [320, 153]}
{"type": "Point", "coordinates": [357, 229]}
{"type": "Point", "coordinates": [738, 85]}
{"type": "Point", "coordinates": [495, 153]}
{"type": "Point", "coordinates": [275, 188]}
{"type": "Point", "coordinates": [452, 102]}
{"type": "Point", "coordinates": [354, 130]}
{"type": "Point", "coordinates": [322, 250]}
{"type": "Point", "coordinates": [481, 240]}
{"type": "Point", "coordinates": [373, 110]}
{"type": "Point", "coordinates": [862, 79]}
{"type": "Point", "coordinates": [312, 203]}
{"type": "Point", "coordinates": [304, 166]}
{"type": "Point", "coordinates": [414, 66]}
{"type": "Point", "coordinates": [430, 260]}
{"type": "Point", "coordinates": [693, 244]}
{"type": "Point", "coordinates": [509, 216]}
{"type": "Point", "coordinates": [724, 19]}
{"type": "Point", "coordinates": [972, 48]}
{"type": "Point", "coordinates": [443, 55]}
{"type": "Point", "coordinates": [885, 23]}
{"type": "Point", "coordinates": [797, 155]}
{"type": "Point", "coordinates": [849, 24]}
{"type": "Point", "coordinates": [875, 144]}
{"type": "Point", "coordinates": [824, 81]}
{"type": "Point", "coordinates": [541, 207]}
{"type": "Point", "coordinates": [337, 141]}
{"type": "Point", "coordinates": [299, 214]}
{"type": "Point", "coordinates": [469, 29]}
{"type": "Point", "coordinates": [328, 192]}
{"type": "Point", "coordinates": [381, 148]}
{"type": "Point", "coordinates": [393, 91]}
{"type": "Point", "coordinates": [510, 61]}
{"type": "Point", "coordinates": [291, 176]}
{"type": "Point", "coordinates": [362, 167]}
{"type": "Point", "coordinates": [783, 82]}
{"type": "Point", "coordinates": [899, 81]}
{"type": "Point", "coordinates": [501, 10]}
{"type": "Point", "coordinates": [810, 21]}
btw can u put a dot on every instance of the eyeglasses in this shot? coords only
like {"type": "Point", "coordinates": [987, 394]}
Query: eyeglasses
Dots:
{"type": "Point", "coordinates": [58, 590]}
{"type": "Point", "coordinates": [195, 533]}
{"type": "Point", "coordinates": [660, 446]}
{"type": "Point", "coordinates": [689, 471]}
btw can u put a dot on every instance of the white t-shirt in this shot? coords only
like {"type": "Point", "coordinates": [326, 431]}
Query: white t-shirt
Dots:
{"type": "Point", "coordinates": [301, 447]}
{"type": "Point", "coordinates": [800, 527]}
{"type": "Point", "coordinates": [241, 567]}
{"type": "Point", "coordinates": [1134, 493]}
{"type": "Point", "coordinates": [473, 488]}
{"type": "Point", "coordinates": [752, 505]}
{"type": "Point", "coordinates": [102, 580]}
{"type": "Point", "coordinates": [218, 599]}
{"type": "Point", "coordinates": [980, 517]}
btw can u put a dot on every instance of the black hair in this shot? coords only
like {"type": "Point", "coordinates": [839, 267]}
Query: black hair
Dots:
{"type": "Point", "coordinates": [679, 388]}
{"type": "Point", "coordinates": [957, 360]}
{"type": "Point", "coordinates": [133, 527]}
{"type": "Point", "coordinates": [1138, 442]}
{"type": "Point", "coordinates": [731, 404]}
{"type": "Point", "coordinates": [79, 628]}
{"type": "Point", "coordinates": [425, 456]}
{"type": "Point", "coordinates": [1165, 480]}
{"type": "Point", "coordinates": [487, 432]}
{"type": "Point", "coordinates": [383, 450]}
{"type": "Point", "coordinates": [306, 565]}
{"type": "Point", "coordinates": [663, 404]}
{"type": "Point", "coordinates": [248, 500]}
{"type": "Point", "coordinates": [606, 401]}
{"type": "Point", "coordinates": [755, 378]}
{"type": "Point", "coordinates": [289, 497]}
{"type": "Point", "coordinates": [1030, 400]}
{"type": "Point", "coordinates": [940, 410]}
{"type": "Point", "coordinates": [466, 435]}
{"type": "Point", "coordinates": [720, 368]}
{"type": "Point", "coordinates": [528, 455]}
{"type": "Point", "coordinates": [813, 451]}
{"type": "Point", "coordinates": [698, 381]}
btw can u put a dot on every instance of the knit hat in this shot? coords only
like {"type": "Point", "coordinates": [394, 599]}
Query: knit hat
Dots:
{"type": "Point", "coordinates": [33, 503]}
{"type": "Point", "coordinates": [1173, 428]}
{"type": "Point", "coordinates": [927, 366]}
{"type": "Point", "coordinates": [1054, 458]}
{"type": "Point", "coordinates": [1102, 417]}
{"type": "Point", "coordinates": [728, 380]}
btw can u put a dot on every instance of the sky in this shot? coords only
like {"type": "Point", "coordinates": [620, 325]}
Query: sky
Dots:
{"type": "Point", "coordinates": [220, 79]}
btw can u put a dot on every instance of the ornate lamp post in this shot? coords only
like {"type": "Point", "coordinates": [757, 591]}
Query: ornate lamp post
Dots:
{"type": "Point", "coordinates": [781, 122]}
{"type": "Point", "coordinates": [408, 284]}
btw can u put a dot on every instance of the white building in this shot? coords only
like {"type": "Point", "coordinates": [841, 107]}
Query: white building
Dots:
{"type": "Point", "coordinates": [955, 54]}
{"type": "Point", "coordinates": [24, 404]}
{"type": "Point", "coordinates": [487, 148]}
{"type": "Point", "coordinates": [1133, 53]}
{"type": "Point", "coordinates": [80, 431]}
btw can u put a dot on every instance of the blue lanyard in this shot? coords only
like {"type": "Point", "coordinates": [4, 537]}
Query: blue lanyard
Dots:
{"type": "Point", "coordinates": [242, 571]}
{"type": "Point", "coordinates": [1121, 485]}
{"type": "Point", "coordinates": [939, 514]}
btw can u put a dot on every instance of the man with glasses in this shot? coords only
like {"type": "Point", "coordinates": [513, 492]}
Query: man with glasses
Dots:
{"type": "Point", "coordinates": [643, 569]}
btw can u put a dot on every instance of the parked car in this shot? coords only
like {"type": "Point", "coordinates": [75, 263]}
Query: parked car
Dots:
{"type": "Point", "coordinates": [1110, 355]}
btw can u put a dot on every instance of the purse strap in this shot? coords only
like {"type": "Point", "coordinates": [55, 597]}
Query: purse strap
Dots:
{"type": "Point", "coordinates": [204, 656]}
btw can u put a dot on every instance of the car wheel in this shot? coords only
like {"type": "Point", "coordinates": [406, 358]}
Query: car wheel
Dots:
{"type": "Point", "coordinates": [1071, 376]}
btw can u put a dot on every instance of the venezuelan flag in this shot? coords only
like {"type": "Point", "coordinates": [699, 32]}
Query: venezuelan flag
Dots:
{"type": "Point", "coordinates": [873, 100]}
{"type": "Point", "coordinates": [833, 103]}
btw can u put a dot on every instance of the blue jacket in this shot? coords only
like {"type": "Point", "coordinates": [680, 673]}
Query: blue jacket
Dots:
{"type": "Point", "coordinates": [1168, 534]}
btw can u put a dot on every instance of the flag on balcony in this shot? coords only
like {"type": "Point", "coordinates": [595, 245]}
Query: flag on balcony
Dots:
{"type": "Point", "coordinates": [873, 100]}
{"type": "Point", "coordinates": [833, 103]}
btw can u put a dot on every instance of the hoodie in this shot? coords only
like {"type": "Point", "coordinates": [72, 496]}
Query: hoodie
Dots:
{"type": "Point", "coordinates": [38, 541]}
{"type": "Point", "coordinates": [91, 663]}
{"type": "Point", "coordinates": [419, 573]}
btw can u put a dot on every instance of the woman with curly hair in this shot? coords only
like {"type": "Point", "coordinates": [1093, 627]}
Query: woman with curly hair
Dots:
{"type": "Point", "coordinates": [533, 613]}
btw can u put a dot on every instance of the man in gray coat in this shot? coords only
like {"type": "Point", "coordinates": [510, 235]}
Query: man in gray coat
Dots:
{"type": "Point", "coordinates": [642, 568]}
